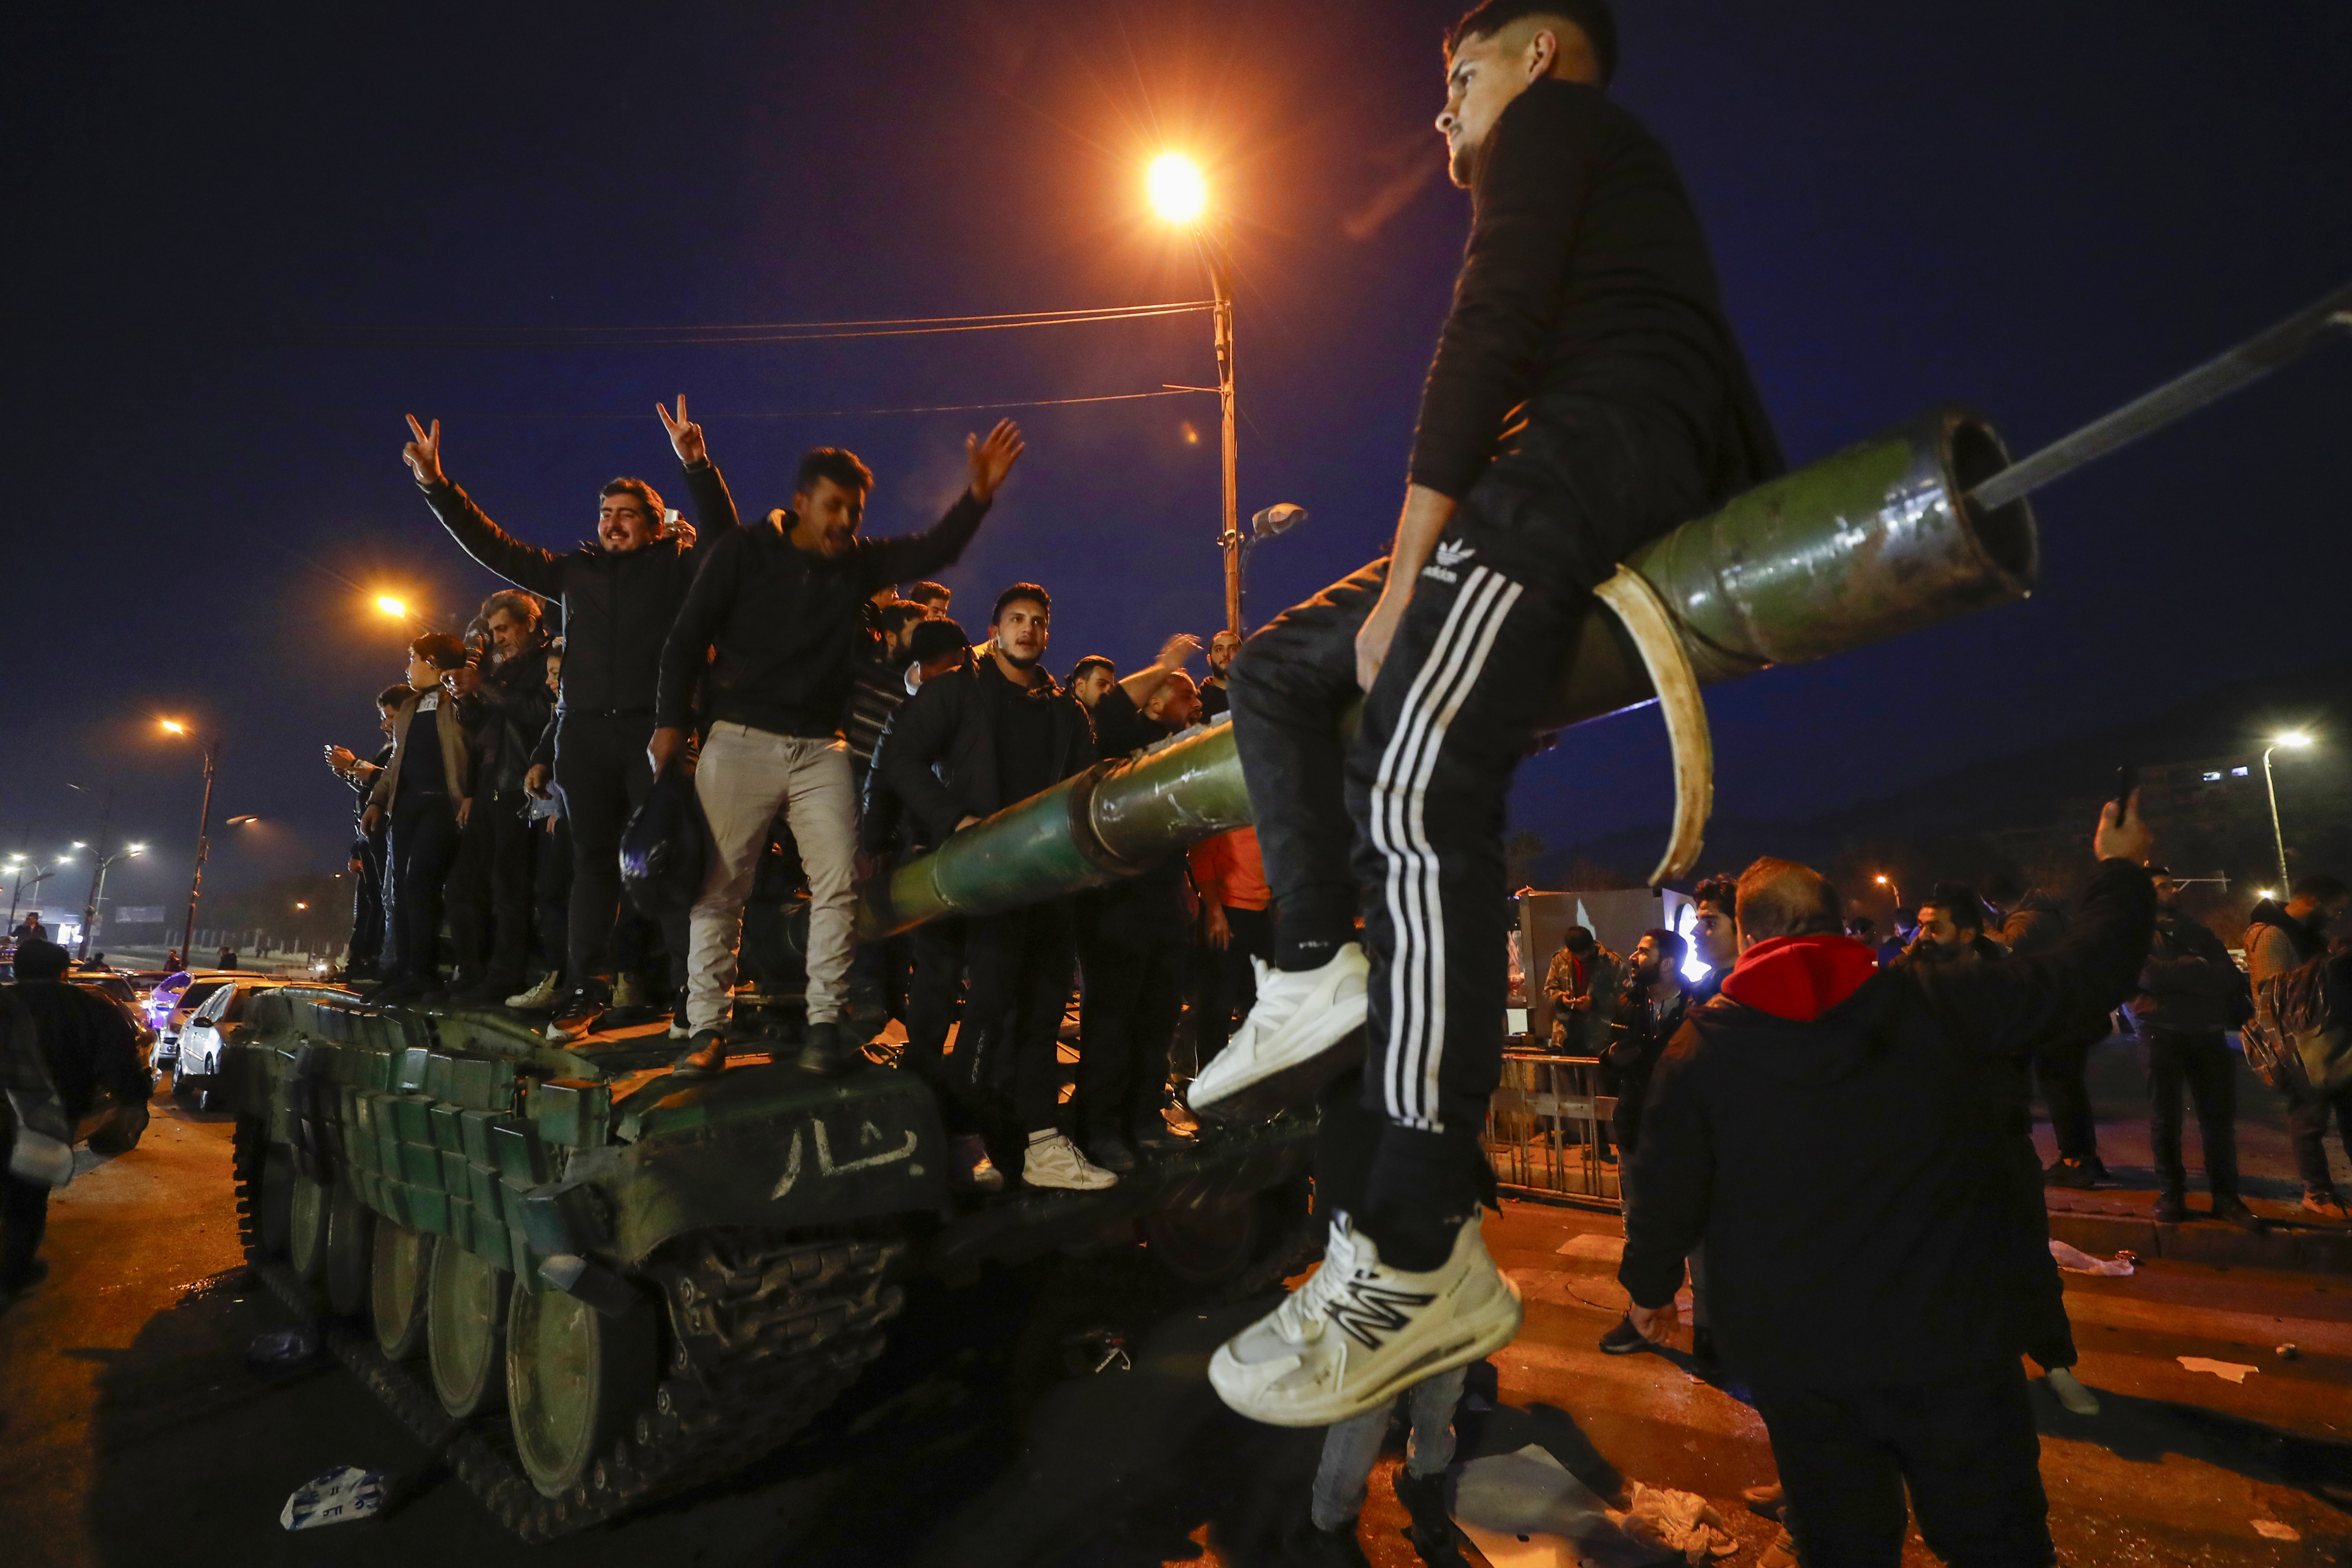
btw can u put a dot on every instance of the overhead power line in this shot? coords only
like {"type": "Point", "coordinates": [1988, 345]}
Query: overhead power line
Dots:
{"type": "Point", "coordinates": [716, 334]}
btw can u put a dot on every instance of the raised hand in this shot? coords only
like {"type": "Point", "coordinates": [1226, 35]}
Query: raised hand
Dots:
{"type": "Point", "coordinates": [994, 458]}
{"type": "Point", "coordinates": [423, 455]}
{"type": "Point", "coordinates": [1177, 651]}
{"type": "Point", "coordinates": [685, 436]}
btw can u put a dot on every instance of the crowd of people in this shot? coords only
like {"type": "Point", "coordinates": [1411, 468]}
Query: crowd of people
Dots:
{"type": "Point", "coordinates": [834, 718]}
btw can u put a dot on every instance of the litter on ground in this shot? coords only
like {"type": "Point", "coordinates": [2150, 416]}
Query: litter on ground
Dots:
{"type": "Point", "coordinates": [2074, 1260]}
{"type": "Point", "coordinates": [334, 1497]}
{"type": "Point", "coordinates": [2235, 1371]}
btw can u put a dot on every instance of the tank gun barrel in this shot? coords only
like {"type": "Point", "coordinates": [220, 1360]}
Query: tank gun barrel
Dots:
{"type": "Point", "coordinates": [1870, 544]}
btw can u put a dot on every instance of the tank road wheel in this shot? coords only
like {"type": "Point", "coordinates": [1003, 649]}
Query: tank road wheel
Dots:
{"type": "Point", "coordinates": [1204, 1246]}
{"type": "Point", "coordinates": [464, 1330]}
{"type": "Point", "coordinates": [574, 1379]}
{"type": "Point", "coordinates": [306, 1228]}
{"type": "Point", "coordinates": [349, 1242]}
{"type": "Point", "coordinates": [277, 1215]}
{"type": "Point", "coordinates": [396, 1280]}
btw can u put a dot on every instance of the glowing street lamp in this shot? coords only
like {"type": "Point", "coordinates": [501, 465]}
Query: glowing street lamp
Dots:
{"type": "Point", "coordinates": [392, 606]}
{"type": "Point", "coordinates": [1884, 880]}
{"type": "Point", "coordinates": [1179, 195]}
{"type": "Point", "coordinates": [2294, 741]}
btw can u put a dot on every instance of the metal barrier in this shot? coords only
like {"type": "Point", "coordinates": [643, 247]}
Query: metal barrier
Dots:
{"type": "Point", "coordinates": [1546, 1125]}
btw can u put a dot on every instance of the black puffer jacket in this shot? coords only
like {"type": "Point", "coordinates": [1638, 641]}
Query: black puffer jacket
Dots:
{"type": "Point", "coordinates": [617, 609]}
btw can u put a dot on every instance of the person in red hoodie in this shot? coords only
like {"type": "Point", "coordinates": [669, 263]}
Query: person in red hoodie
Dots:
{"type": "Point", "coordinates": [1821, 1126]}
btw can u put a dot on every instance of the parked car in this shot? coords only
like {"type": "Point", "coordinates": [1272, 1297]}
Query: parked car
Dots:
{"type": "Point", "coordinates": [174, 1001]}
{"type": "Point", "coordinates": [119, 990]}
{"type": "Point", "coordinates": [212, 1013]}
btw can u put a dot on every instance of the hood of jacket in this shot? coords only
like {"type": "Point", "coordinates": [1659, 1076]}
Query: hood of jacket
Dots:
{"type": "Point", "coordinates": [1806, 1009]}
{"type": "Point", "coordinates": [2271, 912]}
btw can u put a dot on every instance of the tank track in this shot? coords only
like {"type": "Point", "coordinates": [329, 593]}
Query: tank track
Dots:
{"type": "Point", "coordinates": [766, 1333]}
{"type": "Point", "coordinates": [248, 1149]}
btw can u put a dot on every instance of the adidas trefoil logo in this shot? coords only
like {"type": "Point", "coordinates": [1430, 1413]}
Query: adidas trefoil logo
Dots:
{"type": "Point", "coordinates": [1451, 554]}
{"type": "Point", "coordinates": [1368, 1311]}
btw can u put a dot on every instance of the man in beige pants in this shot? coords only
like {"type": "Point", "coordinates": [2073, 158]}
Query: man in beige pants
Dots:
{"type": "Point", "coordinates": [773, 628]}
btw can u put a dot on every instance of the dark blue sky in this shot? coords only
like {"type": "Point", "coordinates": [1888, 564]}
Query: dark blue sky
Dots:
{"type": "Point", "coordinates": [2036, 209]}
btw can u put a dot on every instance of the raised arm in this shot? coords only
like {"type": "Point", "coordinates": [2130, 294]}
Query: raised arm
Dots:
{"type": "Point", "coordinates": [1145, 683]}
{"type": "Point", "coordinates": [2001, 1007]}
{"type": "Point", "coordinates": [922, 554]}
{"type": "Point", "coordinates": [524, 565]}
{"type": "Point", "coordinates": [714, 508]}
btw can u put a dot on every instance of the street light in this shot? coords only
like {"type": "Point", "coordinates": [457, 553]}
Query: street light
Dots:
{"type": "Point", "coordinates": [1892, 892]}
{"type": "Point", "coordinates": [97, 892]}
{"type": "Point", "coordinates": [19, 865]}
{"type": "Point", "coordinates": [2294, 741]}
{"type": "Point", "coordinates": [392, 606]}
{"type": "Point", "coordinates": [203, 828]}
{"type": "Point", "coordinates": [1179, 195]}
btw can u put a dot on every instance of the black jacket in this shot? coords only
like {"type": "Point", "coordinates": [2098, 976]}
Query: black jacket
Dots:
{"type": "Point", "coordinates": [936, 760]}
{"type": "Point", "coordinates": [1631, 1057]}
{"type": "Point", "coordinates": [2189, 984]}
{"type": "Point", "coordinates": [617, 609]}
{"type": "Point", "coordinates": [1840, 1164]}
{"type": "Point", "coordinates": [789, 627]}
{"type": "Point", "coordinates": [88, 1044]}
{"type": "Point", "coordinates": [1585, 276]}
{"type": "Point", "coordinates": [512, 708]}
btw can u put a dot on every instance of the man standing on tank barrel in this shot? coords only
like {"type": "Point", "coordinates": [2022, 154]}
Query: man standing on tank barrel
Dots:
{"type": "Point", "coordinates": [1587, 396]}
{"type": "Point", "coordinates": [620, 595]}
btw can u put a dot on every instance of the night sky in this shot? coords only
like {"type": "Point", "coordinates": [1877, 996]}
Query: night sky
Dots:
{"type": "Point", "coordinates": [2036, 209]}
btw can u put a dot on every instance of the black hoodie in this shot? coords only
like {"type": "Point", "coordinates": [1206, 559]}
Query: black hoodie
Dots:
{"type": "Point", "coordinates": [1838, 1155]}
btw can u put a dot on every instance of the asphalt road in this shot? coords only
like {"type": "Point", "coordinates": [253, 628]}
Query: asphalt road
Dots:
{"type": "Point", "coordinates": [132, 1433]}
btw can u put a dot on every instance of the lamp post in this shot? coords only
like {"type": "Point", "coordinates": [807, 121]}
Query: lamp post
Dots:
{"type": "Point", "coordinates": [1892, 892]}
{"type": "Point", "coordinates": [97, 892]}
{"type": "Point", "coordinates": [1181, 195]}
{"type": "Point", "coordinates": [211, 745]}
{"type": "Point", "coordinates": [2294, 740]}
{"type": "Point", "coordinates": [19, 865]}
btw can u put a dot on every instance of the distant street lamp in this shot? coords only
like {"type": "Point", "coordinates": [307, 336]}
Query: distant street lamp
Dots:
{"type": "Point", "coordinates": [2294, 741]}
{"type": "Point", "coordinates": [1181, 197]}
{"type": "Point", "coordinates": [19, 866]}
{"type": "Point", "coordinates": [1892, 892]}
{"type": "Point", "coordinates": [97, 893]}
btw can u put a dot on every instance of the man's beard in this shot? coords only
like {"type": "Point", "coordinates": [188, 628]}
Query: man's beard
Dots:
{"type": "Point", "coordinates": [1462, 164]}
{"type": "Point", "coordinates": [1016, 660]}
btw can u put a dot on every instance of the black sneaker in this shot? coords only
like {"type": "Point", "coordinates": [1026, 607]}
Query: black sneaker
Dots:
{"type": "Point", "coordinates": [2081, 1175]}
{"type": "Point", "coordinates": [826, 1050]}
{"type": "Point", "coordinates": [398, 989]}
{"type": "Point", "coordinates": [577, 1016]}
{"type": "Point", "coordinates": [1624, 1340]}
{"type": "Point", "coordinates": [679, 1028]}
{"type": "Point", "coordinates": [1432, 1531]}
{"type": "Point", "coordinates": [2232, 1210]}
{"type": "Point", "coordinates": [2171, 1209]}
{"type": "Point", "coordinates": [1109, 1150]}
{"type": "Point", "coordinates": [869, 1011]}
{"type": "Point", "coordinates": [704, 1057]}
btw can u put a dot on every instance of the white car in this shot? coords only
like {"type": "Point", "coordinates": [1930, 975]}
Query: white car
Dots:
{"type": "Point", "coordinates": [207, 1032]}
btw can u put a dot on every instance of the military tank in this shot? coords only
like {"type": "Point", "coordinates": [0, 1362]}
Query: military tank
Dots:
{"type": "Point", "coordinates": [594, 1284]}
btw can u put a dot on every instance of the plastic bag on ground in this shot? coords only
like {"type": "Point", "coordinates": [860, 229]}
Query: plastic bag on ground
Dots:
{"type": "Point", "coordinates": [284, 1353]}
{"type": "Point", "coordinates": [334, 1497]}
{"type": "Point", "coordinates": [2075, 1261]}
{"type": "Point", "coordinates": [1529, 1496]}
{"type": "Point", "coordinates": [662, 852]}
{"type": "Point", "coordinates": [1683, 1524]}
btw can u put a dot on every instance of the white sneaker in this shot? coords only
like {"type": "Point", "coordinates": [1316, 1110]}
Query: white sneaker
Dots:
{"type": "Point", "coordinates": [1055, 1162]}
{"type": "Point", "coordinates": [1361, 1331]}
{"type": "Point", "coordinates": [972, 1166]}
{"type": "Point", "coordinates": [628, 994]}
{"type": "Point", "coordinates": [540, 997]}
{"type": "Point", "coordinates": [2078, 1400]}
{"type": "Point", "coordinates": [1304, 1030]}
